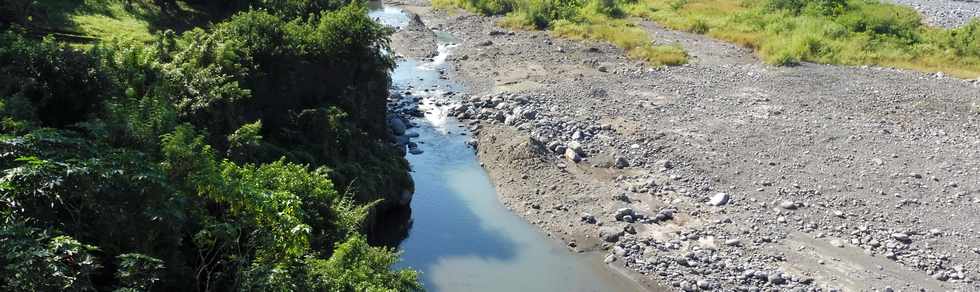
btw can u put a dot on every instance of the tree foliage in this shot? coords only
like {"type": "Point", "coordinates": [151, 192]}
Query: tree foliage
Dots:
{"type": "Point", "coordinates": [205, 160]}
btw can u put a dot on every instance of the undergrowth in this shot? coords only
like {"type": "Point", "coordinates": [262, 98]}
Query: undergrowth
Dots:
{"type": "Point", "coordinates": [848, 32]}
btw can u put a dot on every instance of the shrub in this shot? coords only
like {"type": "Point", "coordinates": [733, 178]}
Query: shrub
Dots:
{"type": "Point", "coordinates": [676, 5]}
{"type": "Point", "coordinates": [137, 272]}
{"type": "Point", "coordinates": [48, 82]}
{"type": "Point", "coordinates": [965, 40]}
{"type": "Point", "coordinates": [699, 26]}
{"type": "Point", "coordinates": [884, 21]}
{"type": "Point", "coordinates": [36, 261]}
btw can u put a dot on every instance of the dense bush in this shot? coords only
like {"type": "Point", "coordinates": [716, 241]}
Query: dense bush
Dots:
{"type": "Point", "coordinates": [810, 7]}
{"type": "Point", "coordinates": [206, 160]}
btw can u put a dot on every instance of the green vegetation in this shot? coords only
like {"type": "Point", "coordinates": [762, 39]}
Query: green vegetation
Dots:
{"type": "Point", "coordinates": [784, 32]}
{"type": "Point", "coordinates": [851, 32]}
{"type": "Point", "coordinates": [600, 20]}
{"type": "Point", "coordinates": [244, 156]}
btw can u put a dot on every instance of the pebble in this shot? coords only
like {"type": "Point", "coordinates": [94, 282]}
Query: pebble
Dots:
{"type": "Point", "coordinates": [718, 199]}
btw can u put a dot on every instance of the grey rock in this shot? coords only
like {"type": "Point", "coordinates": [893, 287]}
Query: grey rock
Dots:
{"type": "Point", "coordinates": [588, 218]}
{"type": "Point", "coordinates": [621, 162]}
{"type": "Point", "coordinates": [619, 251]}
{"type": "Point", "coordinates": [610, 234]}
{"type": "Point", "coordinates": [902, 237]}
{"type": "Point", "coordinates": [733, 242]}
{"type": "Point", "coordinates": [788, 205]}
{"type": "Point", "coordinates": [622, 212]}
{"type": "Point", "coordinates": [572, 156]}
{"type": "Point", "coordinates": [397, 126]}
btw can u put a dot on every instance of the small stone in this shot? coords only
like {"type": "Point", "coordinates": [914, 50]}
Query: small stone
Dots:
{"type": "Point", "coordinates": [588, 218]}
{"type": "Point", "coordinates": [609, 259]}
{"type": "Point", "coordinates": [874, 243]}
{"type": "Point", "coordinates": [628, 218]}
{"type": "Point", "coordinates": [704, 284]}
{"type": "Point", "coordinates": [664, 215]}
{"type": "Point", "coordinates": [776, 278]}
{"type": "Point", "coordinates": [621, 197]}
{"type": "Point", "coordinates": [788, 205]}
{"type": "Point", "coordinates": [902, 237]}
{"type": "Point", "coordinates": [572, 156]}
{"type": "Point", "coordinates": [623, 212]}
{"type": "Point", "coordinates": [619, 251]}
{"type": "Point", "coordinates": [415, 150]}
{"type": "Point", "coordinates": [891, 255]}
{"type": "Point", "coordinates": [610, 234]}
{"type": "Point", "coordinates": [718, 199]}
{"type": "Point", "coordinates": [621, 162]}
{"type": "Point", "coordinates": [733, 242]}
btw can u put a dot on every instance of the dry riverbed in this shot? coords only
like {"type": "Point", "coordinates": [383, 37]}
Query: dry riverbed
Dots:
{"type": "Point", "coordinates": [725, 173]}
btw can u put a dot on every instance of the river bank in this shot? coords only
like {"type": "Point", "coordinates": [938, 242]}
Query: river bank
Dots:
{"type": "Point", "coordinates": [459, 235]}
{"type": "Point", "coordinates": [726, 173]}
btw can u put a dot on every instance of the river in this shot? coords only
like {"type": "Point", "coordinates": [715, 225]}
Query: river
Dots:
{"type": "Point", "coordinates": [460, 236]}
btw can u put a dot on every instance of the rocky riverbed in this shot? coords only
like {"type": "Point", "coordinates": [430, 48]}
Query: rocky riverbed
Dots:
{"type": "Point", "coordinates": [725, 173]}
{"type": "Point", "coordinates": [944, 13]}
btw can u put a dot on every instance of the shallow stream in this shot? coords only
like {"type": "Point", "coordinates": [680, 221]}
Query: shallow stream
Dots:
{"type": "Point", "coordinates": [460, 236]}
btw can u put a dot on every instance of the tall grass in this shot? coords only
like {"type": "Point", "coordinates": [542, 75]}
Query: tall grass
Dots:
{"type": "Point", "coordinates": [598, 20]}
{"type": "Point", "coordinates": [850, 32]}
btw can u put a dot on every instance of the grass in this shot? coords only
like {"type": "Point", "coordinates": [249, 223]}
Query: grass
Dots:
{"type": "Point", "coordinates": [119, 25]}
{"type": "Point", "coordinates": [595, 20]}
{"type": "Point", "coordinates": [106, 19]}
{"type": "Point", "coordinates": [102, 19]}
{"type": "Point", "coordinates": [848, 32]}
{"type": "Point", "coordinates": [623, 34]}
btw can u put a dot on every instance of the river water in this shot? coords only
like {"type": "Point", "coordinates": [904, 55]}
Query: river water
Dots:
{"type": "Point", "coordinates": [460, 236]}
